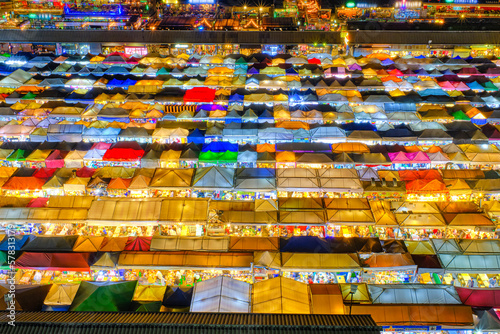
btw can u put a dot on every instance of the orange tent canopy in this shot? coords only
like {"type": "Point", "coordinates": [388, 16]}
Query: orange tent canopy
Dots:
{"type": "Point", "coordinates": [119, 183]}
{"type": "Point", "coordinates": [424, 174]}
{"type": "Point", "coordinates": [350, 148]}
{"type": "Point", "coordinates": [23, 183]}
{"type": "Point", "coordinates": [285, 156]}
{"type": "Point", "coordinates": [293, 125]}
{"type": "Point", "coordinates": [426, 186]}
{"type": "Point", "coordinates": [434, 149]}
{"type": "Point", "coordinates": [266, 148]}
{"type": "Point", "coordinates": [413, 148]}
{"type": "Point", "coordinates": [379, 56]}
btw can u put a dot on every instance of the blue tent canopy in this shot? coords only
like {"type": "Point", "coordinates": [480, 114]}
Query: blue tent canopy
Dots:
{"type": "Point", "coordinates": [304, 245]}
{"type": "Point", "coordinates": [236, 98]}
{"type": "Point", "coordinates": [196, 137]}
{"type": "Point", "coordinates": [359, 127]}
{"type": "Point", "coordinates": [178, 297]}
{"type": "Point", "coordinates": [220, 146]}
{"type": "Point", "coordinates": [475, 85]}
{"type": "Point", "coordinates": [19, 241]}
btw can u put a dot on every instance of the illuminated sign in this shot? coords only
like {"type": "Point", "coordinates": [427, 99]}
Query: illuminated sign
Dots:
{"type": "Point", "coordinates": [350, 5]}
{"type": "Point", "coordinates": [201, 2]}
{"type": "Point", "coordinates": [366, 5]}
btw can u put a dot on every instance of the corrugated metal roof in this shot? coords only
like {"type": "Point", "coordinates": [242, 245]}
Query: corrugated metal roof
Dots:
{"type": "Point", "coordinates": [253, 37]}
{"type": "Point", "coordinates": [97, 319]}
{"type": "Point", "coordinates": [170, 329]}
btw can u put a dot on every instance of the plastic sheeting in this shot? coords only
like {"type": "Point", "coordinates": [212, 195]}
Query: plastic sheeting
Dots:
{"type": "Point", "coordinates": [413, 294]}
{"type": "Point", "coordinates": [281, 295]}
{"type": "Point", "coordinates": [221, 294]}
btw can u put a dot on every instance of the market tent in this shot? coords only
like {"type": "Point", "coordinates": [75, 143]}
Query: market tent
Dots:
{"type": "Point", "coordinates": [319, 262]}
{"type": "Point", "coordinates": [267, 259]}
{"type": "Point", "coordinates": [413, 294]}
{"type": "Point", "coordinates": [138, 244]}
{"type": "Point", "coordinates": [176, 243]}
{"type": "Point", "coordinates": [169, 260]}
{"type": "Point", "coordinates": [479, 297]}
{"type": "Point", "coordinates": [28, 298]}
{"type": "Point", "coordinates": [116, 210]}
{"type": "Point", "coordinates": [184, 210]}
{"type": "Point", "coordinates": [445, 246]}
{"type": "Point", "coordinates": [116, 244]}
{"type": "Point", "coordinates": [326, 299]}
{"type": "Point", "coordinates": [50, 243]}
{"type": "Point", "coordinates": [210, 178]}
{"type": "Point", "coordinates": [394, 246]}
{"type": "Point", "coordinates": [137, 306]}
{"type": "Point", "coordinates": [254, 244]}
{"type": "Point", "coordinates": [88, 244]}
{"type": "Point", "coordinates": [172, 178]}
{"type": "Point", "coordinates": [53, 261]}
{"type": "Point", "coordinates": [15, 243]}
{"type": "Point", "coordinates": [221, 294]}
{"type": "Point", "coordinates": [106, 261]}
{"type": "Point", "coordinates": [149, 293]}
{"type": "Point", "coordinates": [61, 294]}
{"type": "Point", "coordinates": [380, 261]}
{"type": "Point", "coordinates": [306, 244]}
{"type": "Point", "coordinates": [419, 247]}
{"type": "Point", "coordinates": [489, 322]}
{"type": "Point", "coordinates": [458, 220]}
{"type": "Point", "coordinates": [469, 263]}
{"type": "Point", "coordinates": [23, 183]}
{"type": "Point", "coordinates": [178, 298]}
{"type": "Point", "coordinates": [361, 296]}
{"type": "Point", "coordinates": [479, 246]}
{"type": "Point", "coordinates": [417, 315]}
{"type": "Point", "coordinates": [104, 296]}
{"type": "Point", "coordinates": [281, 295]}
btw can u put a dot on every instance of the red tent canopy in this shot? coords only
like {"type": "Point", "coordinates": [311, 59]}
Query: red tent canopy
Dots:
{"type": "Point", "coordinates": [138, 244]}
{"type": "Point", "coordinates": [45, 173]}
{"type": "Point", "coordinates": [423, 174]}
{"type": "Point", "coordinates": [314, 61]}
{"type": "Point", "coordinates": [55, 159]}
{"type": "Point", "coordinates": [85, 172]}
{"type": "Point", "coordinates": [23, 183]}
{"type": "Point", "coordinates": [199, 94]}
{"type": "Point", "coordinates": [39, 202]}
{"type": "Point", "coordinates": [479, 297]}
{"type": "Point", "coordinates": [426, 186]}
{"type": "Point", "coordinates": [122, 154]}
{"type": "Point", "coordinates": [54, 261]}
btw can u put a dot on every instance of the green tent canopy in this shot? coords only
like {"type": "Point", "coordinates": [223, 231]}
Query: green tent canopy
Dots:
{"type": "Point", "coordinates": [104, 296]}
{"type": "Point", "coordinates": [29, 96]}
{"type": "Point", "coordinates": [145, 306]}
{"type": "Point", "coordinates": [18, 155]}
{"type": "Point", "coordinates": [490, 87]}
{"type": "Point", "coordinates": [460, 116]}
{"type": "Point", "coordinates": [162, 71]}
{"type": "Point", "coordinates": [218, 157]}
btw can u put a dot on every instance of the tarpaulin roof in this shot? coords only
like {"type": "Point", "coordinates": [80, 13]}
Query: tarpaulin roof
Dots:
{"type": "Point", "coordinates": [479, 297]}
{"type": "Point", "coordinates": [221, 294]}
{"type": "Point", "coordinates": [104, 296]}
{"type": "Point", "coordinates": [53, 261]}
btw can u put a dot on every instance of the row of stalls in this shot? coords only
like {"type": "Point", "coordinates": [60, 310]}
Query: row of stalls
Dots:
{"type": "Point", "coordinates": [372, 129]}
{"type": "Point", "coordinates": [225, 154]}
{"type": "Point", "coordinates": [173, 260]}
{"type": "Point", "coordinates": [225, 183]}
{"type": "Point", "coordinates": [410, 305]}
{"type": "Point", "coordinates": [417, 308]}
{"type": "Point", "coordinates": [79, 215]}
